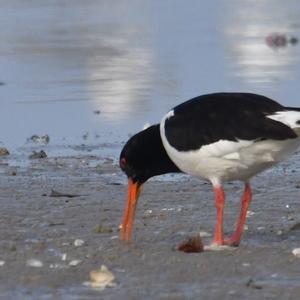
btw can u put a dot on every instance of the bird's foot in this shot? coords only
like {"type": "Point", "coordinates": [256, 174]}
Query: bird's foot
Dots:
{"type": "Point", "coordinates": [217, 242]}
{"type": "Point", "coordinates": [221, 244]}
{"type": "Point", "coordinates": [232, 242]}
{"type": "Point", "coordinates": [217, 247]}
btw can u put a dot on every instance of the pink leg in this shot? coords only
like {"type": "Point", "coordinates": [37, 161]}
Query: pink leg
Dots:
{"type": "Point", "coordinates": [219, 202]}
{"type": "Point", "coordinates": [245, 202]}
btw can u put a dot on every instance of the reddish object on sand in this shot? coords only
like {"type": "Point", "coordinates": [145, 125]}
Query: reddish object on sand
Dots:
{"type": "Point", "coordinates": [192, 245]}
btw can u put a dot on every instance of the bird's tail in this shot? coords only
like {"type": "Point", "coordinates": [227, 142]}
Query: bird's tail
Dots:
{"type": "Point", "coordinates": [297, 121]}
{"type": "Point", "coordinates": [290, 117]}
{"type": "Point", "coordinates": [293, 108]}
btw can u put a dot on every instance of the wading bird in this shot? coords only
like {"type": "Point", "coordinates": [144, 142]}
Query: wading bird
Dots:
{"type": "Point", "coordinates": [219, 137]}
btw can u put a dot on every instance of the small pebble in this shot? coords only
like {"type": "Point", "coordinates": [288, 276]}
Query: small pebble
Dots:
{"type": "Point", "coordinates": [261, 228]}
{"type": "Point", "coordinates": [148, 212]}
{"type": "Point", "coordinates": [295, 226]}
{"type": "Point", "coordinates": [296, 252]}
{"type": "Point", "coordinates": [34, 263]}
{"type": "Point", "coordinates": [102, 229]}
{"type": "Point", "coordinates": [3, 152]}
{"type": "Point", "coordinates": [2, 263]}
{"type": "Point", "coordinates": [39, 139]}
{"type": "Point", "coordinates": [250, 213]}
{"type": "Point", "coordinates": [172, 209]}
{"type": "Point", "coordinates": [64, 257]}
{"type": "Point", "coordinates": [37, 155]}
{"type": "Point", "coordinates": [75, 262]}
{"type": "Point", "coordinates": [252, 284]}
{"type": "Point", "coordinates": [57, 266]}
{"type": "Point", "coordinates": [12, 172]}
{"type": "Point", "coordinates": [78, 243]}
{"type": "Point", "coordinates": [204, 234]}
{"type": "Point", "coordinates": [246, 265]}
{"type": "Point", "coordinates": [65, 244]}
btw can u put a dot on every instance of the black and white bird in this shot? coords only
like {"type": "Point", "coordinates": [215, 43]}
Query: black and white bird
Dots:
{"type": "Point", "coordinates": [219, 137]}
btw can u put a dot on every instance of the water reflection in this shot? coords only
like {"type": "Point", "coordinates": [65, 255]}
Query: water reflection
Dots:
{"type": "Point", "coordinates": [63, 61]}
{"type": "Point", "coordinates": [251, 57]}
{"type": "Point", "coordinates": [121, 81]}
{"type": "Point", "coordinates": [132, 60]}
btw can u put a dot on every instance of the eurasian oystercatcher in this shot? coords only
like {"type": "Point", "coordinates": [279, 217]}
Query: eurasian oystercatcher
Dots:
{"type": "Point", "coordinates": [219, 137]}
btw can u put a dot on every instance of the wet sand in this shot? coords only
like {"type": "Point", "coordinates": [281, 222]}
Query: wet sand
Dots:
{"type": "Point", "coordinates": [35, 225]}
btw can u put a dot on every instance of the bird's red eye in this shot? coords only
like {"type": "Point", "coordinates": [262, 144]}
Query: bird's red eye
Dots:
{"type": "Point", "coordinates": [122, 162]}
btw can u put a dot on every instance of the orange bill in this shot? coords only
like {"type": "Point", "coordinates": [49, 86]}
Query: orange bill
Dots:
{"type": "Point", "coordinates": [128, 217]}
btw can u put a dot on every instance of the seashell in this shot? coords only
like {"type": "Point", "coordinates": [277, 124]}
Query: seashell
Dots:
{"type": "Point", "coordinates": [296, 252]}
{"type": "Point", "coordinates": [101, 278]}
{"type": "Point", "coordinates": [75, 262]}
{"type": "Point", "coordinates": [34, 263]}
{"type": "Point", "coordinates": [78, 243]}
{"type": "Point", "coordinates": [250, 213]}
{"type": "Point", "coordinates": [204, 234]}
{"type": "Point", "coordinates": [261, 228]}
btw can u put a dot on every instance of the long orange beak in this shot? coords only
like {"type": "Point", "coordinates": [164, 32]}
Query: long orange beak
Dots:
{"type": "Point", "coordinates": [128, 217]}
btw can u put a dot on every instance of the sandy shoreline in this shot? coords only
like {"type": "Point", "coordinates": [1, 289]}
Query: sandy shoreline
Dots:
{"type": "Point", "coordinates": [35, 225]}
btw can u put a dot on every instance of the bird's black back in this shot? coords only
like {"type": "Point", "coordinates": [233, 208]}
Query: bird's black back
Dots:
{"type": "Point", "coordinates": [224, 116]}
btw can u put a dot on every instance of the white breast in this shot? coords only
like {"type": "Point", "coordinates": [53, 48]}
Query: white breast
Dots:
{"type": "Point", "coordinates": [229, 160]}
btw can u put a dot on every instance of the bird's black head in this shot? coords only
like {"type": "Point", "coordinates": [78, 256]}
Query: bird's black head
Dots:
{"type": "Point", "coordinates": [144, 156]}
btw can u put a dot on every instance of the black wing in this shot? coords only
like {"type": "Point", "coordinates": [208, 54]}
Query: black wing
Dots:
{"type": "Point", "coordinates": [228, 116]}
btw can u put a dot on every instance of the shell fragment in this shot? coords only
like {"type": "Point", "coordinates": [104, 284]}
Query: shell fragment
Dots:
{"type": "Point", "coordinates": [101, 279]}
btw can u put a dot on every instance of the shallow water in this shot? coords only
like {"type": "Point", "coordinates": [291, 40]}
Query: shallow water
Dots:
{"type": "Point", "coordinates": [131, 61]}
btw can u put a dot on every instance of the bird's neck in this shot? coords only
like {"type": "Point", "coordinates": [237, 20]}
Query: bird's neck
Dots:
{"type": "Point", "coordinates": [161, 162]}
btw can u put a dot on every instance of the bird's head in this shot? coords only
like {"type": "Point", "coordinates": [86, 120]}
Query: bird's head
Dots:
{"type": "Point", "coordinates": [142, 157]}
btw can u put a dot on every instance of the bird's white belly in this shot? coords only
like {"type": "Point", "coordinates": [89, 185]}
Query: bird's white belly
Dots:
{"type": "Point", "coordinates": [228, 160]}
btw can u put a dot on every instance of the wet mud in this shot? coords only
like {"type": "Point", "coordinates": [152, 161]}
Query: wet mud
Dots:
{"type": "Point", "coordinates": [49, 244]}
